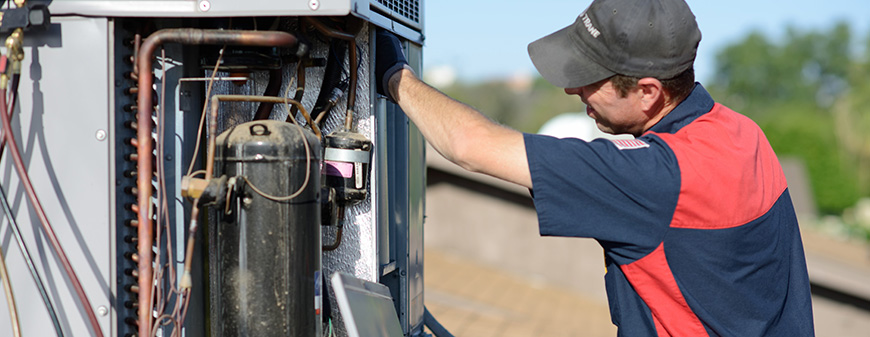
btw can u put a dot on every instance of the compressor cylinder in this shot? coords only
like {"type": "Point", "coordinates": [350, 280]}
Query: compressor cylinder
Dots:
{"type": "Point", "coordinates": [264, 251]}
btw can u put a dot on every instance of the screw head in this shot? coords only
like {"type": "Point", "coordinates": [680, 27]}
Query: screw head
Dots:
{"type": "Point", "coordinates": [101, 135]}
{"type": "Point", "coordinates": [102, 310]}
{"type": "Point", "coordinates": [314, 4]}
{"type": "Point", "coordinates": [204, 5]}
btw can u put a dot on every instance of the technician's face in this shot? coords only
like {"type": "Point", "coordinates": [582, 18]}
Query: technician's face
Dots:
{"type": "Point", "coordinates": [612, 113]}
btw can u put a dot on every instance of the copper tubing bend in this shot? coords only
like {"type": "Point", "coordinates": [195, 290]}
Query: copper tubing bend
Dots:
{"type": "Point", "coordinates": [144, 63]}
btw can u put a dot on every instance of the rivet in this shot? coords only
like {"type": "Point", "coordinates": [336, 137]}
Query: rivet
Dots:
{"type": "Point", "coordinates": [204, 5]}
{"type": "Point", "coordinates": [101, 135]}
{"type": "Point", "coordinates": [314, 4]}
{"type": "Point", "coordinates": [102, 311]}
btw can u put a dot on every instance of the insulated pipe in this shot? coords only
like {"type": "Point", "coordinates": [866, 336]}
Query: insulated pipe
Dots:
{"type": "Point", "coordinates": [351, 40]}
{"type": "Point", "coordinates": [276, 76]}
{"type": "Point", "coordinates": [144, 174]}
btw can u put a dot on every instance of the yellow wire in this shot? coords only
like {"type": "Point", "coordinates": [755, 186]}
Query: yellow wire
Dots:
{"type": "Point", "coordinates": [10, 297]}
{"type": "Point", "coordinates": [204, 109]}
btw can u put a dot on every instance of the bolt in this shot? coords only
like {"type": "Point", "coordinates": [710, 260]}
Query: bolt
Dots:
{"type": "Point", "coordinates": [101, 135]}
{"type": "Point", "coordinates": [204, 5]}
{"type": "Point", "coordinates": [102, 311]}
{"type": "Point", "coordinates": [314, 4]}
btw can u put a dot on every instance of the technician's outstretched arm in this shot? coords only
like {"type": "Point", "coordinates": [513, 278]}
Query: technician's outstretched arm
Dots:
{"type": "Point", "coordinates": [458, 132]}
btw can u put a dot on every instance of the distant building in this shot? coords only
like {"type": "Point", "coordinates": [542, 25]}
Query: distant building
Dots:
{"type": "Point", "coordinates": [576, 125]}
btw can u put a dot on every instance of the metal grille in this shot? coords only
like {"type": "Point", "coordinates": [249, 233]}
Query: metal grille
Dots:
{"type": "Point", "coordinates": [410, 9]}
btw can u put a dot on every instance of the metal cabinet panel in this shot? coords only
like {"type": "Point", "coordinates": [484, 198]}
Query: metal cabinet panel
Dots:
{"type": "Point", "coordinates": [62, 123]}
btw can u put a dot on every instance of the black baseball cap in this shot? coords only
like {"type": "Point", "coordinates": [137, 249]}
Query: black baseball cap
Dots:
{"type": "Point", "coordinates": [640, 38]}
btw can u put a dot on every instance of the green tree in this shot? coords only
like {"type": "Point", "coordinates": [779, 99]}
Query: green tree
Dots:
{"type": "Point", "coordinates": [804, 92]}
{"type": "Point", "coordinates": [525, 109]}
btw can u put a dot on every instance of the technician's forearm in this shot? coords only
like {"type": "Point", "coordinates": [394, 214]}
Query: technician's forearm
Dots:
{"type": "Point", "coordinates": [460, 133]}
{"type": "Point", "coordinates": [446, 123]}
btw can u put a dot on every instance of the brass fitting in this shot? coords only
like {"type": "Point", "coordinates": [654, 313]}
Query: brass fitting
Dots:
{"type": "Point", "coordinates": [15, 49]}
{"type": "Point", "coordinates": [193, 187]}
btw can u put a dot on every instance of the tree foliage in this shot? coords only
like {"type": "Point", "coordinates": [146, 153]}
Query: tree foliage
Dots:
{"type": "Point", "coordinates": [523, 107]}
{"type": "Point", "coordinates": [808, 92]}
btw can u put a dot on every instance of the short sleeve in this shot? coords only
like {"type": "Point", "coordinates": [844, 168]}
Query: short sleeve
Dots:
{"type": "Point", "coordinates": [622, 193]}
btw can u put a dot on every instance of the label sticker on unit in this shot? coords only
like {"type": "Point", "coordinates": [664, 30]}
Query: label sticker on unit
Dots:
{"type": "Point", "coordinates": [339, 169]}
{"type": "Point", "coordinates": [318, 297]}
{"type": "Point", "coordinates": [358, 170]}
{"type": "Point", "coordinates": [629, 144]}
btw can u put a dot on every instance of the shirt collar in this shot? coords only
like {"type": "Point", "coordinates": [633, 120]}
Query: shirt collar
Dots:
{"type": "Point", "coordinates": [695, 105]}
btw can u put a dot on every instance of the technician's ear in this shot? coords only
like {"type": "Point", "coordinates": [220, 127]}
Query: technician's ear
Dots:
{"type": "Point", "coordinates": [652, 93]}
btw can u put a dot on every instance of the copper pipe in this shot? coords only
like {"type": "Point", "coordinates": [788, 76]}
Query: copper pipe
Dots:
{"type": "Point", "coordinates": [337, 242]}
{"type": "Point", "coordinates": [300, 89]}
{"type": "Point", "coordinates": [144, 64]}
{"type": "Point", "coordinates": [351, 91]}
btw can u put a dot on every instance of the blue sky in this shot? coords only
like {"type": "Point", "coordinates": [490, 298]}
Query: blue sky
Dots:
{"type": "Point", "coordinates": [484, 39]}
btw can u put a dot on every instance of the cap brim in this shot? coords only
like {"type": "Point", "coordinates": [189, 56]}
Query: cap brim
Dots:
{"type": "Point", "coordinates": [561, 62]}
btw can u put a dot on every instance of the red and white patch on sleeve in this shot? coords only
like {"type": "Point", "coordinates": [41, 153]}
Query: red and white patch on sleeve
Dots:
{"type": "Point", "coordinates": [629, 144]}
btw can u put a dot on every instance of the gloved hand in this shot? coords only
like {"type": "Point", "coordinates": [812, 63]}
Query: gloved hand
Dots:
{"type": "Point", "coordinates": [389, 59]}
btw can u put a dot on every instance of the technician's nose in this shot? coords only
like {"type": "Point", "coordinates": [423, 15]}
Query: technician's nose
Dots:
{"type": "Point", "coordinates": [573, 91]}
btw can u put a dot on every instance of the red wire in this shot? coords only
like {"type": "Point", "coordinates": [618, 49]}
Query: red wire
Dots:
{"type": "Point", "coordinates": [49, 231]}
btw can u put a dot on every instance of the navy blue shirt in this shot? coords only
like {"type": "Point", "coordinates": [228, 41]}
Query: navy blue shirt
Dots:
{"type": "Point", "coordinates": [698, 229]}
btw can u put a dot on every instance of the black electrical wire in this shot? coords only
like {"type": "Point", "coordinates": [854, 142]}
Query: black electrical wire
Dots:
{"type": "Point", "coordinates": [4, 202]}
{"type": "Point", "coordinates": [433, 324]}
{"type": "Point", "coordinates": [331, 76]}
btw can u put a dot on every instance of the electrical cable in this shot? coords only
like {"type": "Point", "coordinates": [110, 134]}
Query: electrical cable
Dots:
{"type": "Point", "coordinates": [10, 297]}
{"type": "Point", "coordinates": [163, 320]}
{"type": "Point", "coordinates": [28, 259]}
{"type": "Point", "coordinates": [433, 324]}
{"type": "Point", "coordinates": [205, 110]}
{"type": "Point", "coordinates": [162, 203]}
{"type": "Point", "coordinates": [46, 225]}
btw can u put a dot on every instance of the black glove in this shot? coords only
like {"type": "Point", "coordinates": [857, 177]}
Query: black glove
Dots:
{"type": "Point", "coordinates": [389, 59]}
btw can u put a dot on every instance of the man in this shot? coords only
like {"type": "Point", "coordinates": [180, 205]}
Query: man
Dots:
{"type": "Point", "coordinates": [694, 215]}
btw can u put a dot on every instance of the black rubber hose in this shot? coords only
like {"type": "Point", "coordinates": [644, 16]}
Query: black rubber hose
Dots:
{"type": "Point", "coordinates": [276, 77]}
{"type": "Point", "coordinates": [433, 324]}
{"type": "Point", "coordinates": [331, 75]}
{"type": "Point", "coordinates": [4, 202]}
